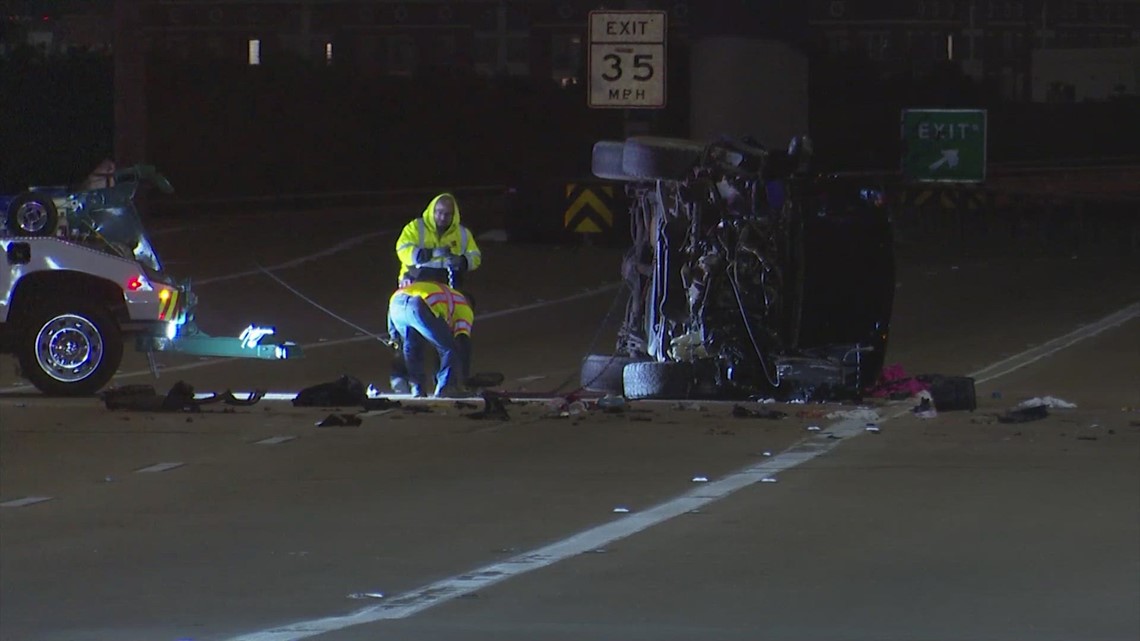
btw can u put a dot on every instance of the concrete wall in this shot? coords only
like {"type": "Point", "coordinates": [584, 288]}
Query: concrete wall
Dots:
{"type": "Point", "coordinates": [744, 86]}
{"type": "Point", "coordinates": [1093, 74]}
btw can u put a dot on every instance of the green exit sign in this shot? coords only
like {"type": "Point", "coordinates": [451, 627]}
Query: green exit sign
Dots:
{"type": "Point", "coordinates": [944, 145]}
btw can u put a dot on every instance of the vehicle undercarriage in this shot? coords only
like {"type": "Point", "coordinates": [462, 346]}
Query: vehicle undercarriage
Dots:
{"type": "Point", "coordinates": [748, 275]}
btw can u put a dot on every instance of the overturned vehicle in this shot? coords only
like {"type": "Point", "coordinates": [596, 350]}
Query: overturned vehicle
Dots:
{"type": "Point", "coordinates": [749, 276]}
{"type": "Point", "coordinates": [80, 280]}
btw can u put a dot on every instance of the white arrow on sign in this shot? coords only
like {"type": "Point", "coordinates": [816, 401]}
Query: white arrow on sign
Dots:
{"type": "Point", "coordinates": [949, 157]}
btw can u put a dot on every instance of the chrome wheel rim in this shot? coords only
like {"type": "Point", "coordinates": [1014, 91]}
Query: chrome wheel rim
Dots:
{"type": "Point", "coordinates": [69, 348]}
{"type": "Point", "coordinates": [32, 217]}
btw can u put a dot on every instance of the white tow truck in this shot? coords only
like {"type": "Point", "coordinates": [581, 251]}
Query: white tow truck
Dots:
{"type": "Point", "coordinates": [80, 280]}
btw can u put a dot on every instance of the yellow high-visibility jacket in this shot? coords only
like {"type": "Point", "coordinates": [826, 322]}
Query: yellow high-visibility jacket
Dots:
{"type": "Point", "coordinates": [445, 302]}
{"type": "Point", "coordinates": [422, 232]}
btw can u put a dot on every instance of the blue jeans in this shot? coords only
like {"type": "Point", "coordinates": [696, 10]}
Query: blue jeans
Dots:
{"type": "Point", "coordinates": [410, 318]}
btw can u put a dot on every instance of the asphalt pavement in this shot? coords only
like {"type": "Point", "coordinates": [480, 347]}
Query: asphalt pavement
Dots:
{"type": "Point", "coordinates": [665, 521]}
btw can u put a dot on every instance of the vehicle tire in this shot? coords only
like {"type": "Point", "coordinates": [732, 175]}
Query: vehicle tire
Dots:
{"type": "Point", "coordinates": [606, 160]}
{"type": "Point", "coordinates": [653, 158]}
{"type": "Point", "coordinates": [32, 214]}
{"type": "Point", "coordinates": [70, 348]}
{"type": "Point", "coordinates": [603, 373]}
{"type": "Point", "coordinates": [655, 379]}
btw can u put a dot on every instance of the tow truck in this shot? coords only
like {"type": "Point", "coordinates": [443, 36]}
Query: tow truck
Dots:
{"type": "Point", "coordinates": [80, 280]}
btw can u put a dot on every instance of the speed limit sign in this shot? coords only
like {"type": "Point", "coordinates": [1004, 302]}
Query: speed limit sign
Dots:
{"type": "Point", "coordinates": [627, 59]}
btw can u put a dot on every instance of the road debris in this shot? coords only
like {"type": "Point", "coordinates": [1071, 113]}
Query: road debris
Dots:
{"type": "Point", "coordinates": [858, 414]}
{"type": "Point", "coordinates": [1051, 402]}
{"type": "Point", "coordinates": [739, 411]}
{"type": "Point", "coordinates": [494, 408]}
{"type": "Point", "coordinates": [346, 390]}
{"type": "Point", "coordinates": [340, 420]}
{"type": "Point", "coordinates": [925, 409]}
{"type": "Point", "coordinates": [1024, 415]}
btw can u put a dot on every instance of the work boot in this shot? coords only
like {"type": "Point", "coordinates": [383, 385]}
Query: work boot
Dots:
{"type": "Point", "coordinates": [454, 391]}
{"type": "Point", "coordinates": [400, 385]}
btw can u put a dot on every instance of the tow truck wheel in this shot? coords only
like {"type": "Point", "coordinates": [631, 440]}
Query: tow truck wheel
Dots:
{"type": "Point", "coordinates": [70, 349]}
{"type": "Point", "coordinates": [32, 214]}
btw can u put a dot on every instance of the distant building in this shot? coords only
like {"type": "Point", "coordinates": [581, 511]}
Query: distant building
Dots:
{"type": "Point", "coordinates": [994, 40]}
{"type": "Point", "coordinates": [1023, 47]}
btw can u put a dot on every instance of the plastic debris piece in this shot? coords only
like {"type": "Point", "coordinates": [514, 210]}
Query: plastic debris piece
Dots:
{"type": "Point", "coordinates": [872, 427]}
{"type": "Point", "coordinates": [366, 595]}
{"type": "Point", "coordinates": [861, 414]}
{"type": "Point", "coordinates": [700, 479]}
{"type": "Point", "coordinates": [768, 479]}
{"type": "Point", "coordinates": [575, 408]}
{"type": "Point", "coordinates": [340, 420]}
{"type": "Point", "coordinates": [612, 404]}
{"type": "Point", "coordinates": [739, 411]}
{"type": "Point", "coordinates": [1025, 414]}
{"type": "Point", "coordinates": [925, 409]}
{"type": "Point", "coordinates": [766, 453]}
{"type": "Point", "coordinates": [1051, 402]}
{"type": "Point", "coordinates": [813, 428]}
{"type": "Point", "coordinates": [621, 510]}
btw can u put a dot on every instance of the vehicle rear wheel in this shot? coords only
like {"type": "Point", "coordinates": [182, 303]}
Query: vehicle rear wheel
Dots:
{"type": "Point", "coordinates": [655, 379]}
{"type": "Point", "coordinates": [32, 214]}
{"type": "Point", "coordinates": [603, 373]}
{"type": "Point", "coordinates": [606, 160]}
{"type": "Point", "coordinates": [70, 349]}
{"type": "Point", "coordinates": [654, 158]}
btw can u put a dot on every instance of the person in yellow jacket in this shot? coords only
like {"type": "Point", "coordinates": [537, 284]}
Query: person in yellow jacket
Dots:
{"type": "Point", "coordinates": [436, 246]}
{"type": "Point", "coordinates": [437, 314]}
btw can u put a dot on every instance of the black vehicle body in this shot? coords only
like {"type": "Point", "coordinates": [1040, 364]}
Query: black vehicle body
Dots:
{"type": "Point", "coordinates": [749, 275]}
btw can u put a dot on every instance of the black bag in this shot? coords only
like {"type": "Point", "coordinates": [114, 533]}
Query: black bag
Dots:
{"type": "Point", "coordinates": [951, 392]}
{"type": "Point", "coordinates": [346, 390]}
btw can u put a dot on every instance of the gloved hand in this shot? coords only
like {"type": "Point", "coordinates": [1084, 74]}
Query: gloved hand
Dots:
{"type": "Point", "coordinates": [421, 255]}
{"type": "Point", "coordinates": [456, 262]}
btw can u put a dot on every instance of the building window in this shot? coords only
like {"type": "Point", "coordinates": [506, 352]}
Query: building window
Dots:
{"type": "Point", "coordinates": [255, 51]}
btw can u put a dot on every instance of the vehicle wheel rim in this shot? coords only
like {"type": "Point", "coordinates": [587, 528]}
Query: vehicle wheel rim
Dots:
{"type": "Point", "coordinates": [31, 217]}
{"type": "Point", "coordinates": [69, 348]}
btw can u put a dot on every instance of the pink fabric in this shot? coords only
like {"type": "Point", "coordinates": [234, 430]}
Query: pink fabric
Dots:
{"type": "Point", "coordinates": [893, 381]}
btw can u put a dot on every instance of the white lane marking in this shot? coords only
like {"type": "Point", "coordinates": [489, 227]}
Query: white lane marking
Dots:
{"type": "Point", "coordinates": [275, 440]}
{"type": "Point", "coordinates": [159, 467]}
{"type": "Point", "coordinates": [440, 592]}
{"type": "Point", "coordinates": [434, 594]}
{"type": "Point", "coordinates": [1028, 357]}
{"type": "Point", "coordinates": [339, 247]}
{"type": "Point", "coordinates": [27, 500]}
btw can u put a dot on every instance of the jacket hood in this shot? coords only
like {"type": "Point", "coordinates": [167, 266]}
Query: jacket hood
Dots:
{"type": "Point", "coordinates": [429, 213]}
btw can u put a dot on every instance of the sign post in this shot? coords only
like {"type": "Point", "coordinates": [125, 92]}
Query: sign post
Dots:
{"type": "Point", "coordinates": [627, 59]}
{"type": "Point", "coordinates": [944, 145]}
